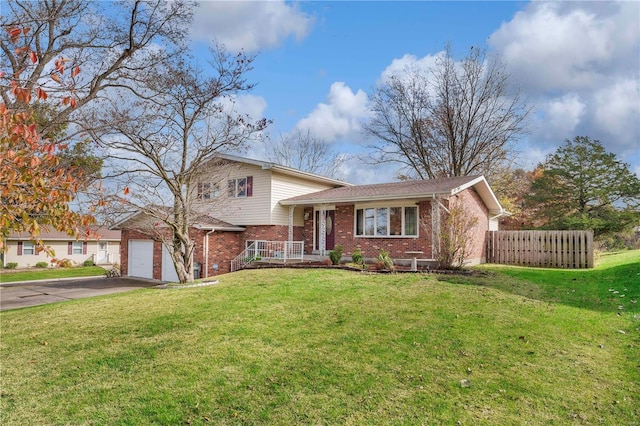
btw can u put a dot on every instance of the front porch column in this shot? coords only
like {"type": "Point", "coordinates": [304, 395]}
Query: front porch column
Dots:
{"type": "Point", "coordinates": [291, 209]}
{"type": "Point", "coordinates": [322, 235]}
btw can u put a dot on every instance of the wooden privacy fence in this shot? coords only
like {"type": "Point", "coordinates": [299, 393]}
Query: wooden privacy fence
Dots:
{"type": "Point", "coordinates": [549, 249]}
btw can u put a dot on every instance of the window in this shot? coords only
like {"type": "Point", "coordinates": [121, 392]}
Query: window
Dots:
{"type": "Point", "coordinates": [208, 190]}
{"type": "Point", "coordinates": [241, 187]}
{"type": "Point", "coordinates": [28, 248]}
{"type": "Point", "coordinates": [76, 247]}
{"type": "Point", "coordinates": [387, 221]}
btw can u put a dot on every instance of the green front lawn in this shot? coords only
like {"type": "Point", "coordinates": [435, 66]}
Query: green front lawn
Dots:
{"type": "Point", "coordinates": [51, 273]}
{"type": "Point", "coordinates": [332, 347]}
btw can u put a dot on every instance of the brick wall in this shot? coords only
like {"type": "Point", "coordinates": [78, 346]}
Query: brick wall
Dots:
{"type": "Point", "coordinates": [223, 248]}
{"type": "Point", "coordinates": [371, 246]}
{"type": "Point", "coordinates": [397, 247]}
{"type": "Point", "coordinates": [307, 235]}
{"type": "Point", "coordinates": [130, 234]}
{"type": "Point", "coordinates": [476, 207]}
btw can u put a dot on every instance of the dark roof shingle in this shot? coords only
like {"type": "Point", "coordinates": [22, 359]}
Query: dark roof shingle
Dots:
{"type": "Point", "coordinates": [394, 190]}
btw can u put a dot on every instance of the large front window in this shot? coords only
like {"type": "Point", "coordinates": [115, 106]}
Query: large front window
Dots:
{"type": "Point", "coordinates": [387, 221]}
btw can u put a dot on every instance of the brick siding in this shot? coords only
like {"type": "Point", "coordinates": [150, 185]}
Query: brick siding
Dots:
{"type": "Point", "coordinates": [398, 246]}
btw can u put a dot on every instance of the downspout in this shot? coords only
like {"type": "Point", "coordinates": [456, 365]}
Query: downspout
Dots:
{"type": "Point", "coordinates": [435, 223]}
{"type": "Point", "coordinates": [206, 253]}
{"type": "Point", "coordinates": [503, 212]}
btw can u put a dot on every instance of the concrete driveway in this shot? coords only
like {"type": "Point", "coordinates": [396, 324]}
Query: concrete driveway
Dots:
{"type": "Point", "coordinates": [33, 293]}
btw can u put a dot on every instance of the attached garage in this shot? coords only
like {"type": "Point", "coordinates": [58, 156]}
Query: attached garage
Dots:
{"type": "Point", "coordinates": [140, 259]}
{"type": "Point", "coordinates": [144, 255]}
{"type": "Point", "coordinates": [168, 268]}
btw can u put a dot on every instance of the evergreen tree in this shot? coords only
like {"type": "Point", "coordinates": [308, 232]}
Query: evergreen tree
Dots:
{"type": "Point", "coordinates": [584, 187]}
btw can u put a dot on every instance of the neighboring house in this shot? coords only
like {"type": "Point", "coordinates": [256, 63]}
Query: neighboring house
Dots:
{"type": "Point", "coordinates": [102, 247]}
{"type": "Point", "coordinates": [258, 203]}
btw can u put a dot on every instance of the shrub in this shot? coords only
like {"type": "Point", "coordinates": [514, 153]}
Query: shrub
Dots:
{"type": "Point", "coordinates": [336, 254]}
{"type": "Point", "coordinates": [11, 265]}
{"type": "Point", "coordinates": [42, 265]}
{"type": "Point", "coordinates": [113, 272]}
{"type": "Point", "coordinates": [88, 262]}
{"type": "Point", "coordinates": [356, 257]}
{"type": "Point", "coordinates": [65, 263]}
{"type": "Point", "coordinates": [385, 260]}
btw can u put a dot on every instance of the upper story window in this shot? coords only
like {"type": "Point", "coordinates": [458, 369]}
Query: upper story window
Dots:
{"type": "Point", "coordinates": [387, 221]}
{"type": "Point", "coordinates": [241, 187]}
{"type": "Point", "coordinates": [208, 191]}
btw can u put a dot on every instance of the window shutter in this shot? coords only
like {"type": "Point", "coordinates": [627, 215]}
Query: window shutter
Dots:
{"type": "Point", "coordinates": [249, 186]}
{"type": "Point", "coordinates": [69, 247]}
{"type": "Point", "coordinates": [199, 191]}
{"type": "Point", "coordinates": [84, 247]}
{"type": "Point", "coordinates": [19, 248]}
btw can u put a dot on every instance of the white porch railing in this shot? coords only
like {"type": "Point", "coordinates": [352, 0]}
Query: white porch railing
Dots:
{"type": "Point", "coordinates": [110, 259]}
{"type": "Point", "coordinates": [269, 250]}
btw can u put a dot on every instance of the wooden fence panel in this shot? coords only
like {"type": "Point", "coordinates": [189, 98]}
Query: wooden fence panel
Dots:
{"type": "Point", "coordinates": [550, 249]}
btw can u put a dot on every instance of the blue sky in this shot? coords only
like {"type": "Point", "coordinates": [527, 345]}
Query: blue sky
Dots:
{"type": "Point", "coordinates": [578, 63]}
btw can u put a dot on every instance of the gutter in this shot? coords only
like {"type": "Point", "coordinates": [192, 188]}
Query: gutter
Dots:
{"type": "Point", "coordinates": [361, 199]}
{"type": "Point", "coordinates": [503, 212]}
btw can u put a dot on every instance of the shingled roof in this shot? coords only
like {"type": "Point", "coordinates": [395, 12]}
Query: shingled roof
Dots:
{"type": "Point", "coordinates": [102, 233]}
{"type": "Point", "coordinates": [412, 189]}
{"type": "Point", "coordinates": [198, 220]}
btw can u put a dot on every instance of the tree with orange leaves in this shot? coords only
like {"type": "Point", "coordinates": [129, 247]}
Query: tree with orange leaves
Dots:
{"type": "Point", "coordinates": [35, 192]}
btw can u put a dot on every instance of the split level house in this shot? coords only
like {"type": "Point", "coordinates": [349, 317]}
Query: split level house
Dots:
{"type": "Point", "coordinates": [101, 246]}
{"type": "Point", "coordinates": [261, 210]}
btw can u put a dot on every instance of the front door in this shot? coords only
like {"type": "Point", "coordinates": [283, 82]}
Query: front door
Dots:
{"type": "Point", "coordinates": [103, 252]}
{"type": "Point", "coordinates": [330, 230]}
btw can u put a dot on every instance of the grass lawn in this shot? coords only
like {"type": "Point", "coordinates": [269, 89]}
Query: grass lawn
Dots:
{"type": "Point", "coordinates": [52, 273]}
{"type": "Point", "coordinates": [335, 347]}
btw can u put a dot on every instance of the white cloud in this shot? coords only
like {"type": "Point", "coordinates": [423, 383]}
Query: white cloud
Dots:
{"type": "Point", "coordinates": [615, 107]}
{"type": "Point", "coordinates": [556, 45]}
{"type": "Point", "coordinates": [578, 63]}
{"type": "Point", "coordinates": [401, 66]}
{"type": "Point", "coordinates": [249, 25]}
{"type": "Point", "coordinates": [252, 106]}
{"type": "Point", "coordinates": [340, 117]}
{"type": "Point", "coordinates": [560, 116]}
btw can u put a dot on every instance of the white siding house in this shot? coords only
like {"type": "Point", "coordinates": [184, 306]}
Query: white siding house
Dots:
{"type": "Point", "coordinates": [103, 248]}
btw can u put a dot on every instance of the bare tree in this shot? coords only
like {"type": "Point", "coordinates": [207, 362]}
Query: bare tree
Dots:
{"type": "Point", "coordinates": [115, 44]}
{"type": "Point", "coordinates": [157, 145]}
{"type": "Point", "coordinates": [455, 119]}
{"type": "Point", "coordinates": [454, 233]}
{"type": "Point", "coordinates": [300, 150]}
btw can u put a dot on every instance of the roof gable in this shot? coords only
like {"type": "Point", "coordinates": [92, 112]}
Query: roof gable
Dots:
{"type": "Point", "coordinates": [277, 168]}
{"type": "Point", "coordinates": [199, 221]}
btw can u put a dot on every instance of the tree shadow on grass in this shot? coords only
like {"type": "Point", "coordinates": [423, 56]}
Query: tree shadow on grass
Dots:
{"type": "Point", "coordinates": [613, 289]}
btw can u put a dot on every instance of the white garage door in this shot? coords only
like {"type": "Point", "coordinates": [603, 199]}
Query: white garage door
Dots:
{"type": "Point", "coordinates": [141, 258]}
{"type": "Point", "coordinates": [168, 269]}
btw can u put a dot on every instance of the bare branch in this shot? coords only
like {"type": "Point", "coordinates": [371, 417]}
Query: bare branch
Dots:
{"type": "Point", "coordinates": [456, 119]}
